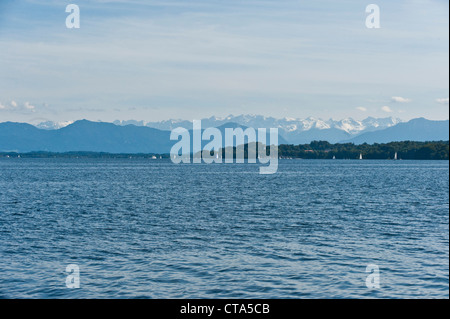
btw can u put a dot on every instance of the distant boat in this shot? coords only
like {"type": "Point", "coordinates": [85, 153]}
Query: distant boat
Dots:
{"type": "Point", "coordinates": [154, 157]}
{"type": "Point", "coordinates": [360, 156]}
{"type": "Point", "coordinates": [217, 155]}
{"type": "Point", "coordinates": [396, 156]}
{"type": "Point", "coordinates": [334, 157]}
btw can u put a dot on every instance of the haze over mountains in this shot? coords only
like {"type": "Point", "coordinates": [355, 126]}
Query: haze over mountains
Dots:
{"type": "Point", "coordinates": [292, 130]}
{"type": "Point", "coordinates": [286, 124]}
{"type": "Point", "coordinates": [154, 137]}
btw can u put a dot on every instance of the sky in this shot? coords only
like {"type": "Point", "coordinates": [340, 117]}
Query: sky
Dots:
{"type": "Point", "coordinates": [190, 59]}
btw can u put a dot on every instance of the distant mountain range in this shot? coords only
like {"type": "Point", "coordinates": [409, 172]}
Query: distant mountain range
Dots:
{"type": "Point", "coordinates": [83, 136]}
{"type": "Point", "coordinates": [154, 137]}
{"type": "Point", "coordinates": [296, 131]}
{"type": "Point", "coordinates": [290, 128]}
{"type": "Point", "coordinates": [419, 130]}
{"type": "Point", "coordinates": [303, 131]}
{"type": "Point", "coordinates": [287, 125]}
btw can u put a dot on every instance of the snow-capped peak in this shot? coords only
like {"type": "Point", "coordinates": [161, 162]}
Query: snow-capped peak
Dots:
{"type": "Point", "coordinates": [288, 124]}
{"type": "Point", "coordinates": [50, 125]}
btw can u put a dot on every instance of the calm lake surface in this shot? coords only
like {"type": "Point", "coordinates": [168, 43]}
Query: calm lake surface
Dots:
{"type": "Point", "coordinates": [153, 229]}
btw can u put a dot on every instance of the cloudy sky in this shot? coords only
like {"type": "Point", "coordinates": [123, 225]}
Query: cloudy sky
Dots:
{"type": "Point", "coordinates": [153, 60]}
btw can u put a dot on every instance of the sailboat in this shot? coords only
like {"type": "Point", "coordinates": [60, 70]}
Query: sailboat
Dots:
{"type": "Point", "coordinates": [334, 157]}
{"type": "Point", "coordinates": [396, 156]}
{"type": "Point", "coordinates": [360, 156]}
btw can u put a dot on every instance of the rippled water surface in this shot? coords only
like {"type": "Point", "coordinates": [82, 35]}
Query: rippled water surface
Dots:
{"type": "Point", "coordinates": [152, 229]}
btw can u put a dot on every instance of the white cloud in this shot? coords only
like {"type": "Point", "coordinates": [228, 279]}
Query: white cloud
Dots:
{"type": "Point", "coordinates": [442, 101]}
{"type": "Point", "coordinates": [15, 107]}
{"type": "Point", "coordinates": [399, 99]}
{"type": "Point", "coordinates": [28, 106]}
{"type": "Point", "coordinates": [362, 109]}
{"type": "Point", "coordinates": [386, 109]}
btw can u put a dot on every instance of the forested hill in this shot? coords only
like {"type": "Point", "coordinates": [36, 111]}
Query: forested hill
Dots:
{"type": "Point", "coordinates": [405, 150]}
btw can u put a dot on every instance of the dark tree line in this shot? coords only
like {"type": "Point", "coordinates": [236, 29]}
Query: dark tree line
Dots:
{"type": "Point", "coordinates": [405, 150]}
{"type": "Point", "coordinates": [315, 150]}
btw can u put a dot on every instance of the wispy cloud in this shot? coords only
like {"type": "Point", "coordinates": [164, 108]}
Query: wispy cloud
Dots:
{"type": "Point", "coordinates": [14, 106]}
{"type": "Point", "coordinates": [28, 106]}
{"type": "Point", "coordinates": [199, 58]}
{"type": "Point", "coordinates": [442, 101]}
{"type": "Point", "coordinates": [399, 99]}
{"type": "Point", "coordinates": [361, 108]}
{"type": "Point", "coordinates": [387, 109]}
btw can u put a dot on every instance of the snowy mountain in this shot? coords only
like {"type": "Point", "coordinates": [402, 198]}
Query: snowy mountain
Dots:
{"type": "Point", "coordinates": [418, 130]}
{"type": "Point", "coordinates": [108, 137]}
{"type": "Point", "coordinates": [348, 125]}
{"type": "Point", "coordinates": [286, 124]}
{"type": "Point", "coordinates": [49, 125]}
{"type": "Point", "coordinates": [293, 130]}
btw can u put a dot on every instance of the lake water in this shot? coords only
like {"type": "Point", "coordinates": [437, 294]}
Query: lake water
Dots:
{"type": "Point", "coordinates": [152, 229]}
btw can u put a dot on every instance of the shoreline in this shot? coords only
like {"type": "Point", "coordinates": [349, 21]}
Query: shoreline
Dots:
{"type": "Point", "coordinates": [408, 150]}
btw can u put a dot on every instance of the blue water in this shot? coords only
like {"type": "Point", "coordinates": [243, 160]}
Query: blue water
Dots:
{"type": "Point", "coordinates": [152, 229]}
